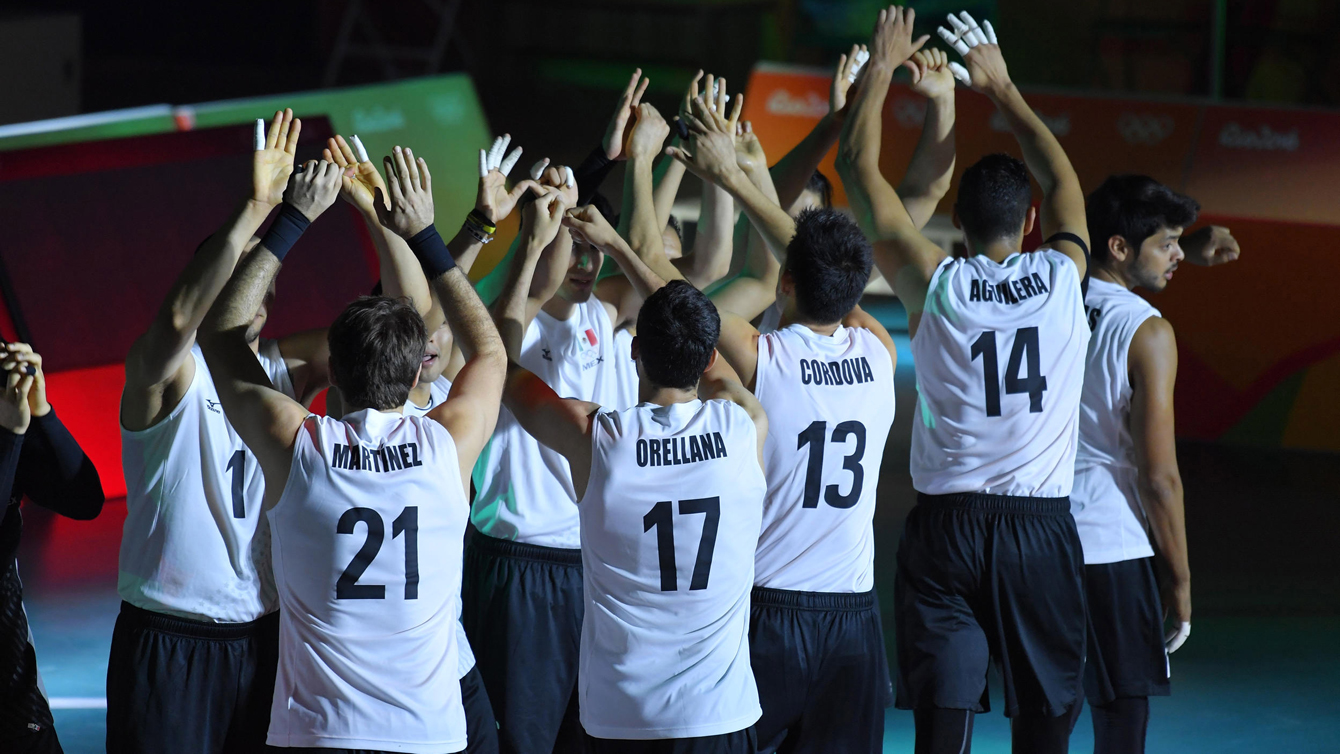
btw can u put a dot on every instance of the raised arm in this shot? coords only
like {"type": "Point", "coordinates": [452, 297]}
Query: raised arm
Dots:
{"type": "Point", "coordinates": [266, 419]}
{"type": "Point", "coordinates": [1153, 367]}
{"type": "Point", "coordinates": [1062, 196]}
{"type": "Point", "coordinates": [931, 170]}
{"type": "Point", "coordinates": [158, 367]}
{"type": "Point", "coordinates": [721, 382]}
{"type": "Point", "coordinates": [521, 299]}
{"type": "Point", "coordinates": [755, 288]}
{"type": "Point", "coordinates": [794, 169]}
{"type": "Point", "coordinates": [560, 424]}
{"type": "Point", "coordinates": [905, 257]}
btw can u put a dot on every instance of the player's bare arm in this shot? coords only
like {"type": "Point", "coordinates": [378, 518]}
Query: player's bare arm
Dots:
{"type": "Point", "coordinates": [931, 170]}
{"type": "Point", "coordinates": [710, 258]}
{"type": "Point", "coordinates": [721, 382]}
{"type": "Point", "coordinates": [561, 424]}
{"type": "Point", "coordinates": [754, 289]}
{"type": "Point", "coordinates": [905, 257]}
{"type": "Point", "coordinates": [1210, 246]}
{"type": "Point", "coordinates": [859, 317]}
{"type": "Point", "coordinates": [158, 370]}
{"type": "Point", "coordinates": [795, 168]}
{"type": "Point", "coordinates": [1152, 361]}
{"type": "Point", "coordinates": [1062, 196]}
{"type": "Point", "coordinates": [519, 303]}
{"type": "Point", "coordinates": [265, 418]}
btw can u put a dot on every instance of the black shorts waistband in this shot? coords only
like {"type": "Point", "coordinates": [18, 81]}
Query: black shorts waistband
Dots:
{"type": "Point", "coordinates": [138, 617]}
{"type": "Point", "coordinates": [762, 596]}
{"type": "Point", "coordinates": [506, 548]}
{"type": "Point", "coordinates": [977, 501]}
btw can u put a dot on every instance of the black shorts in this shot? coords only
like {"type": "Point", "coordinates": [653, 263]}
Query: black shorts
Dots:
{"type": "Point", "coordinates": [985, 578]}
{"type": "Point", "coordinates": [523, 614]}
{"type": "Point", "coordinates": [822, 674]}
{"type": "Point", "coordinates": [739, 742]}
{"type": "Point", "coordinates": [25, 716]}
{"type": "Point", "coordinates": [176, 685]}
{"type": "Point", "coordinates": [1126, 652]}
{"type": "Point", "coordinates": [481, 727]}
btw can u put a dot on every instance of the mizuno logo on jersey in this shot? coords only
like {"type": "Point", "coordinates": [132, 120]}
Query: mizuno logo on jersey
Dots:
{"type": "Point", "coordinates": [1008, 292]}
{"type": "Point", "coordinates": [385, 458]}
{"type": "Point", "coordinates": [212, 406]}
{"type": "Point", "coordinates": [845, 372]}
{"type": "Point", "coordinates": [673, 451]}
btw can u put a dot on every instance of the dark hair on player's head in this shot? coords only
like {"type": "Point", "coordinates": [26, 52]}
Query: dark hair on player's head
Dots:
{"type": "Point", "coordinates": [993, 198]}
{"type": "Point", "coordinates": [376, 349]}
{"type": "Point", "coordinates": [829, 260]}
{"type": "Point", "coordinates": [1134, 207]}
{"type": "Point", "coordinates": [678, 227]}
{"type": "Point", "coordinates": [819, 184]}
{"type": "Point", "coordinates": [677, 330]}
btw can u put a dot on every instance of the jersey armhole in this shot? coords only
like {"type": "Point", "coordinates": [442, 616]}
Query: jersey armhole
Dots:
{"type": "Point", "coordinates": [1088, 257]}
{"type": "Point", "coordinates": [149, 431]}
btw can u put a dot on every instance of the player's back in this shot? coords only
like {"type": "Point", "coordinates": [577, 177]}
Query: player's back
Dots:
{"type": "Point", "coordinates": [367, 556]}
{"type": "Point", "coordinates": [830, 405]}
{"type": "Point", "coordinates": [1000, 365]}
{"type": "Point", "coordinates": [670, 521]}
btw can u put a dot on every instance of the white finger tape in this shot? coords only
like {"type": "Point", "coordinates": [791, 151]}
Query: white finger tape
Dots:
{"type": "Point", "coordinates": [483, 163]}
{"type": "Point", "coordinates": [359, 151]}
{"type": "Point", "coordinates": [951, 40]}
{"type": "Point", "coordinates": [537, 169]}
{"type": "Point", "coordinates": [990, 32]}
{"type": "Point", "coordinates": [572, 178]}
{"type": "Point", "coordinates": [974, 35]}
{"type": "Point", "coordinates": [960, 73]}
{"type": "Point", "coordinates": [260, 134]}
{"type": "Point", "coordinates": [509, 161]}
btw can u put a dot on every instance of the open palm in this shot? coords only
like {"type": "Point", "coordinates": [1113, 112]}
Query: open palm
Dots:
{"type": "Point", "coordinates": [360, 188]}
{"type": "Point", "coordinates": [272, 166]}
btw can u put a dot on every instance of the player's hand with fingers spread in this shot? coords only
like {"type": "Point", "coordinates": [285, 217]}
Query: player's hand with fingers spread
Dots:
{"type": "Point", "coordinates": [1211, 245]}
{"type": "Point", "coordinates": [986, 71]}
{"type": "Point", "coordinates": [561, 178]}
{"type": "Point", "coordinates": [621, 123]}
{"type": "Point", "coordinates": [845, 77]}
{"type": "Point", "coordinates": [649, 133]}
{"type": "Point", "coordinates": [15, 412]}
{"type": "Point", "coordinates": [749, 153]}
{"type": "Point", "coordinates": [314, 188]}
{"type": "Point", "coordinates": [588, 225]}
{"type": "Point", "coordinates": [710, 154]}
{"type": "Point", "coordinates": [410, 188]}
{"type": "Point", "coordinates": [21, 356]}
{"type": "Point", "coordinates": [272, 162]}
{"type": "Point", "coordinates": [892, 42]}
{"type": "Point", "coordinates": [493, 200]}
{"type": "Point", "coordinates": [544, 218]}
{"type": "Point", "coordinates": [931, 76]}
{"type": "Point", "coordinates": [359, 185]}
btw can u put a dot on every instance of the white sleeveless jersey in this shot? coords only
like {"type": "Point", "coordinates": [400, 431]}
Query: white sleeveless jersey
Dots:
{"type": "Point", "coordinates": [1000, 365]}
{"type": "Point", "coordinates": [624, 365]}
{"type": "Point", "coordinates": [437, 395]}
{"type": "Point", "coordinates": [771, 319]}
{"type": "Point", "coordinates": [830, 406]}
{"type": "Point", "coordinates": [1106, 499]}
{"type": "Point", "coordinates": [524, 489]}
{"type": "Point", "coordinates": [368, 538]}
{"type": "Point", "coordinates": [195, 544]}
{"type": "Point", "coordinates": [670, 521]}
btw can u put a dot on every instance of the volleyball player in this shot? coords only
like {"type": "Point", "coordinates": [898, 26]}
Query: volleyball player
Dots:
{"type": "Point", "coordinates": [1127, 500]}
{"type": "Point", "coordinates": [369, 653]}
{"type": "Point", "coordinates": [670, 497]}
{"type": "Point", "coordinates": [990, 565]}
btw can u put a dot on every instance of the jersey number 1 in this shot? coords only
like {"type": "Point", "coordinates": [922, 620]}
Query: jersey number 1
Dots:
{"type": "Point", "coordinates": [347, 586]}
{"type": "Point", "coordinates": [661, 518]}
{"type": "Point", "coordinates": [1025, 348]}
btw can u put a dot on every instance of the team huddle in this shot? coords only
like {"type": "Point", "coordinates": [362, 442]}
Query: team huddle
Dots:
{"type": "Point", "coordinates": [633, 512]}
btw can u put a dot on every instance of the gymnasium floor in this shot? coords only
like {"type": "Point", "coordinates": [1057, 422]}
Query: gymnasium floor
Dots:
{"type": "Point", "coordinates": [1260, 674]}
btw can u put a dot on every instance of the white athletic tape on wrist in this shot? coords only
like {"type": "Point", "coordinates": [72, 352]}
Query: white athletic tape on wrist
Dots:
{"type": "Point", "coordinates": [952, 40]}
{"type": "Point", "coordinates": [509, 161]}
{"type": "Point", "coordinates": [961, 73]}
{"type": "Point", "coordinates": [572, 178]}
{"type": "Point", "coordinates": [537, 169]}
{"type": "Point", "coordinates": [260, 134]}
{"type": "Point", "coordinates": [359, 151]}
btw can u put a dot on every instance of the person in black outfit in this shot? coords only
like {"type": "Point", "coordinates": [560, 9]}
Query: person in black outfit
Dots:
{"type": "Point", "coordinates": [40, 460]}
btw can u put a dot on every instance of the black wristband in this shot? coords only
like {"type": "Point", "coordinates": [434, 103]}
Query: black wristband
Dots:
{"type": "Point", "coordinates": [285, 230]}
{"type": "Point", "coordinates": [432, 252]}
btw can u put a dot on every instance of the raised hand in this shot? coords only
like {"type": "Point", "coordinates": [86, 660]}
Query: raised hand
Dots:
{"type": "Point", "coordinates": [588, 225]}
{"type": "Point", "coordinates": [1211, 245]}
{"type": "Point", "coordinates": [543, 217]}
{"type": "Point", "coordinates": [493, 199]}
{"type": "Point", "coordinates": [15, 412]}
{"type": "Point", "coordinates": [620, 126]}
{"type": "Point", "coordinates": [711, 151]}
{"type": "Point", "coordinates": [20, 356]}
{"type": "Point", "coordinates": [558, 177]}
{"type": "Point", "coordinates": [410, 187]}
{"type": "Point", "coordinates": [314, 188]}
{"type": "Point", "coordinates": [892, 42]}
{"type": "Point", "coordinates": [272, 162]}
{"type": "Point", "coordinates": [749, 153]}
{"type": "Point", "coordinates": [359, 185]}
{"type": "Point", "coordinates": [986, 69]}
{"type": "Point", "coordinates": [931, 74]}
{"type": "Point", "coordinates": [649, 133]}
{"type": "Point", "coordinates": [844, 78]}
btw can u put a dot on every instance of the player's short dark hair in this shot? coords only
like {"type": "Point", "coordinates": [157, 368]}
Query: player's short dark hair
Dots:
{"type": "Point", "coordinates": [1134, 207]}
{"type": "Point", "coordinates": [376, 349]}
{"type": "Point", "coordinates": [993, 198]}
{"type": "Point", "coordinates": [819, 184]}
{"type": "Point", "coordinates": [677, 330]}
{"type": "Point", "coordinates": [829, 260]}
{"type": "Point", "coordinates": [674, 223]}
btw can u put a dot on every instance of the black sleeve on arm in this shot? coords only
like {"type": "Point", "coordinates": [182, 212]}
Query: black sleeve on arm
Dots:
{"type": "Point", "coordinates": [1088, 258]}
{"type": "Point", "coordinates": [55, 473]}
{"type": "Point", "coordinates": [11, 446]}
{"type": "Point", "coordinates": [591, 173]}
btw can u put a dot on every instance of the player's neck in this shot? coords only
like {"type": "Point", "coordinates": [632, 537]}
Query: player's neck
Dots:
{"type": "Point", "coordinates": [559, 308]}
{"type": "Point", "coordinates": [997, 251]}
{"type": "Point", "coordinates": [420, 394]}
{"type": "Point", "coordinates": [665, 396]}
{"type": "Point", "coordinates": [789, 318]}
{"type": "Point", "coordinates": [1112, 276]}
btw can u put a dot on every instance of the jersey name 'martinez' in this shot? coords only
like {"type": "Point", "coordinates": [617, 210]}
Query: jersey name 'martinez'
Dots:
{"type": "Point", "coordinates": [385, 458]}
{"type": "Point", "coordinates": [673, 451]}
{"type": "Point", "coordinates": [1007, 292]}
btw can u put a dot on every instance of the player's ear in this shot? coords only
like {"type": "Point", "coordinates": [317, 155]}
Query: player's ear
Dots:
{"type": "Point", "coordinates": [634, 348]}
{"type": "Point", "coordinates": [1118, 248]}
{"type": "Point", "coordinates": [1030, 220]}
{"type": "Point", "coordinates": [954, 218]}
{"type": "Point", "coordinates": [712, 360]}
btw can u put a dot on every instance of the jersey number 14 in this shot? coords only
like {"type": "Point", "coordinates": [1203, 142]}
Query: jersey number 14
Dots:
{"type": "Point", "coordinates": [1025, 351]}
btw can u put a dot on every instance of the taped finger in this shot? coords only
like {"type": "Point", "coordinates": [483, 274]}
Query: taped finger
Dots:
{"type": "Point", "coordinates": [259, 140]}
{"type": "Point", "coordinates": [973, 35]}
{"type": "Point", "coordinates": [960, 73]}
{"type": "Point", "coordinates": [509, 161]}
{"type": "Point", "coordinates": [496, 152]}
{"type": "Point", "coordinates": [572, 178]}
{"type": "Point", "coordinates": [990, 33]}
{"type": "Point", "coordinates": [952, 40]}
{"type": "Point", "coordinates": [537, 169]}
{"type": "Point", "coordinates": [483, 163]}
{"type": "Point", "coordinates": [359, 150]}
